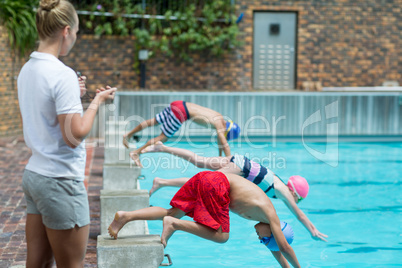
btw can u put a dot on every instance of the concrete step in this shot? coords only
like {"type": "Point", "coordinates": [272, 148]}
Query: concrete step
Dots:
{"type": "Point", "coordinates": [115, 140]}
{"type": "Point", "coordinates": [112, 201]}
{"type": "Point", "coordinates": [140, 251]}
{"type": "Point", "coordinates": [118, 156]}
{"type": "Point", "coordinates": [120, 177]}
{"type": "Point", "coordinates": [114, 132]}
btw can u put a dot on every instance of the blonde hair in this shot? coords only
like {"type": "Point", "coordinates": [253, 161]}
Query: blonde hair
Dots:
{"type": "Point", "coordinates": [54, 15]}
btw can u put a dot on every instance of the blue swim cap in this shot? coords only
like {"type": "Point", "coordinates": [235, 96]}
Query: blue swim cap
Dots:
{"type": "Point", "coordinates": [270, 241]}
{"type": "Point", "coordinates": [232, 130]}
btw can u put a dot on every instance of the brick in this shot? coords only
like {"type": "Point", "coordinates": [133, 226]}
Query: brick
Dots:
{"type": "Point", "coordinates": [13, 216]}
{"type": "Point", "coordinates": [336, 28]}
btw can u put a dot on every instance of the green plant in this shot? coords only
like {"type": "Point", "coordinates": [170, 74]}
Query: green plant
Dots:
{"type": "Point", "coordinates": [116, 24]}
{"type": "Point", "coordinates": [207, 28]}
{"type": "Point", "coordinates": [18, 18]}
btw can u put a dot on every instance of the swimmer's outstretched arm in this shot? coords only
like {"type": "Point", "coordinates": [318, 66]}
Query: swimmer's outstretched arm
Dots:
{"type": "Point", "coordinates": [291, 204]}
{"type": "Point", "coordinates": [315, 234]}
{"type": "Point", "coordinates": [264, 230]}
{"type": "Point", "coordinates": [145, 124]}
{"type": "Point", "coordinates": [222, 142]}
{"type": "Point", "coordinates": [285, 249]}
{"type": "Point", "coordinates": [281, 260]}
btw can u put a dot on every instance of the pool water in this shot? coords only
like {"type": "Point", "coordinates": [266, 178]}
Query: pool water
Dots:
{"type": "Point", "coordinates": [356, 200]}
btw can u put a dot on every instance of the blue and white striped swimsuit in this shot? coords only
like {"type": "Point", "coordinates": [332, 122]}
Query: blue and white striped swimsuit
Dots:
{"type": "Point", "coordinates": [169, 122]}
{"type": "Point", "coordinates": [254, 172]}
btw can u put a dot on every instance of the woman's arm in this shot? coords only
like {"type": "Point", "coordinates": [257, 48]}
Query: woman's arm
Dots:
{"type": "Point", "coordinates": [75, 127]}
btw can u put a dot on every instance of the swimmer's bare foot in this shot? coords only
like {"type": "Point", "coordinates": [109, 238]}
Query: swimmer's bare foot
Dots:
{"type": "Point", "coordinates": [157, 147]}
{"type": "Point", "coordinates": [136, 157]}
{"type": "Point", "coordinates": [156, 185]}
{"type": "Point", "coordinates": [168, 229]}
{"type": "Point", "coordinates": [117, 224]}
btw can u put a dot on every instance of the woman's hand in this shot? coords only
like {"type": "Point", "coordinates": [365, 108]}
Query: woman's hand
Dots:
{"type": "Point", "coordinates": [81, 81]}
{"type": "Point", "coordinates": [104, 94]}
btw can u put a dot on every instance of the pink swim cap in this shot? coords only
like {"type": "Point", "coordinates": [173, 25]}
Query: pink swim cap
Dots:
{"type": "Point", "coordinates": [300, 184]}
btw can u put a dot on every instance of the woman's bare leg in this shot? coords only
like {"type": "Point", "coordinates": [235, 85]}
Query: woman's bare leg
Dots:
{"type": "Point", "coordinates": [170, 225]}
{"type": "Point", "coordinates": [69, 246]}
{"type": "Point", "coordinates": [213, 163]}
{"type": "Point", "coordinates": [39, 252]}
{"type": "Point", "coordinates": [159, 183]}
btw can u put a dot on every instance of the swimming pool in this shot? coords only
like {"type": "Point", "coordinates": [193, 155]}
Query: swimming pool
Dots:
{"type": "Point", "coordinates": [356, 201]}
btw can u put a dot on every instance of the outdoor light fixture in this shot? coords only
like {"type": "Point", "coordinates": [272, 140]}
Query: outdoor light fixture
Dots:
{"type": "Point", "coordinates": [143, 54]}
{"type": "Point", "coordinates": [274, 28]}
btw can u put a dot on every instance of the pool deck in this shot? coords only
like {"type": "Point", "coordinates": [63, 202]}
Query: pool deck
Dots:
{"type": "Point", "coordinates": [14, 155]}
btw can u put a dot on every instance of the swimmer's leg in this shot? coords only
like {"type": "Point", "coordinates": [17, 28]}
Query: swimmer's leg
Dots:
{"type": "Point", "coordinates": [135, 155]}
{"type": "Point", "coordinates": [213, 163]}
{"type": "Point", "coordinates": [170, 225]}
{"type": "Point", "coordinates": [159, 183]}
{"type": "Point", "coordinates": [121, 218]}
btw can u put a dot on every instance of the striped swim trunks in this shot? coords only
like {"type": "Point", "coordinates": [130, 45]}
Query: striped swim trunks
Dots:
{"type": "Point", "coordinates": [168, 121]}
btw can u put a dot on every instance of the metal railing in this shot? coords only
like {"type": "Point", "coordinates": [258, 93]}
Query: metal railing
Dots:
{"type": "Point", "coordinates": [151, 7]}
{"type": "Point", "coordinates": [287, 114]}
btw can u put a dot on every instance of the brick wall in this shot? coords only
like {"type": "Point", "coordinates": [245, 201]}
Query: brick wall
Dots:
{"type": "Point", "coordinates": [104, 61]}
{"type": "Point", "coordinates": [339, 43]}
{"type": "Point", "coordinates": [10, 123]}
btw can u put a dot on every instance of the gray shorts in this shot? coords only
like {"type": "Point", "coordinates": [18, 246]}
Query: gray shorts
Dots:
{"type": "Point", "coordinates": [63, 203]}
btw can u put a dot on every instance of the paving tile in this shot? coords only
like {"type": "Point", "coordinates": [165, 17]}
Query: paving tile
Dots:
{"type": "Point", "coordinates": [13, 206]}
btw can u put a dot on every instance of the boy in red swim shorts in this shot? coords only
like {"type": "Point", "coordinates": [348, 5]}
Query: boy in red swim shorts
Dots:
{"type": "Point", "coordinates": [173, 116]}
{"type": "Point", "coordinates": [207, 198]}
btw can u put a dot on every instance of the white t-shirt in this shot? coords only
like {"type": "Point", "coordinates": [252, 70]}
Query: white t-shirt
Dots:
{"type": "Point", "coordinates": [46, 89]}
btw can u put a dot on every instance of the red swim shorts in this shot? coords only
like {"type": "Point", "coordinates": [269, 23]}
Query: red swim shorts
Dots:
{"type": "Point", "coordinates": [179, 109]}
{"type": "Point", "coordinates": [205, 198]}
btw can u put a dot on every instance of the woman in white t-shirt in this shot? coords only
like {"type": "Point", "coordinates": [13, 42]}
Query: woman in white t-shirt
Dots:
{"type": "Point", "coordinates": [55, 126]}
